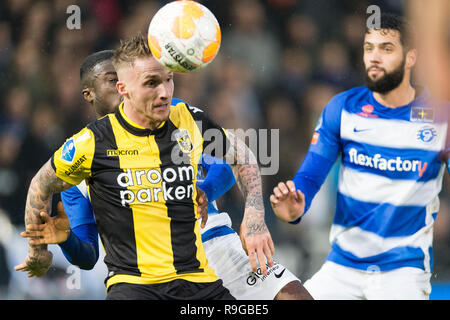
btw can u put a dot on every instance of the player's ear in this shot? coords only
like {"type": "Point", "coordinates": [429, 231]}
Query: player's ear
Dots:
{"type": "Point", "coordinates": [121, 88]}
{"type": "Point", "coordinates": [411, 58]}
{"type": "Point", "coordinates": [88, 95]}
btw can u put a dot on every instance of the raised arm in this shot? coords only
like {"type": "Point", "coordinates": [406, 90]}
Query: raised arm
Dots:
{"type": "Point", "coordinates": [44, 184]}
{"type": "Point", "coordinates": [255, 236]}
{"type": "Point", "coordinates": [73, 228]}
{"type": "Point", "coordinates": [219, 177]}
{"type": "Point", "coordinates": [291, 199]}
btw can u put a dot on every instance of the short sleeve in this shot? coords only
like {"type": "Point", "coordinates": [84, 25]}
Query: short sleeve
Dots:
{"type": "Point", "coordinates": [215, 138]}
{"type": "Point", "coordinates": [72, 161]}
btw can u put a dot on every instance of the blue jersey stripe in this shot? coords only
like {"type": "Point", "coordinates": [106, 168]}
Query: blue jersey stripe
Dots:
{"type": "Point", "coordinates": [395, 164]}
{"type": "Point", "coordinates": [216, 232]}
{"type": "Point", "coordinates": [381, 218]}
{"type": "Point", "coordinates": [212, 208]}
{"type": "Point", "coordinates": [398, 257]}
{"type": "Point", "coordinates": [359, 97]}
{"type": "Point", "coordinates": [77, 207]}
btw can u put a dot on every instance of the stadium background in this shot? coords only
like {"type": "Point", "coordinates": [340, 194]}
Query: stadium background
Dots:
{"type": "Point", "coordinates": [279, 64]}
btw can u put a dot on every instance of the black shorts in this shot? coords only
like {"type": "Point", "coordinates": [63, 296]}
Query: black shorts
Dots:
{"type": "Point", "coordinates": [174, 290]}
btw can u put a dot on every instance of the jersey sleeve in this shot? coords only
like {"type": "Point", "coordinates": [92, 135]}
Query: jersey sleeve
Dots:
{"type": "Point", "coordinates": [219, 177]}
{"type": "Point", "coordinates": [78, 208]}
{"type": "Point", "coordinates": [215, 138]}
{"type": "Point", "coordinates": [81, 248]}
{"type": "Point", "coordinates": [72, 161]}
{"type": "Point", "coordinates": [324, 149]}
{"type": "Point", "coordinates": [326, 140]}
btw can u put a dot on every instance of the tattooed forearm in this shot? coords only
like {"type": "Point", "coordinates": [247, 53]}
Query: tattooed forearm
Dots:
{"type": "Point", "coordinates": [248, 178]}
{"type": "Point", "coordinates": [246, 170]}
{"type": "Point", "coordinates": [254, 222]}
{"type": "Point", "coordinates": [249, 182]}
{"type": "Point", "coordinates": [39, 197]}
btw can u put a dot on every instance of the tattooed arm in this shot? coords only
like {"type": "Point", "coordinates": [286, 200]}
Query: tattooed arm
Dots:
{"type": "Point", "coordinates": [43, 185]}
{"type": "Point", "coordinates": [255, 236]}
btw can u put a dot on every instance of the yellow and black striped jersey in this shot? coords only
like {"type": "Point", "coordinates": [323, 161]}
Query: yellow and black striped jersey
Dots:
{"type": "Point", "coordinates": [142, 188]}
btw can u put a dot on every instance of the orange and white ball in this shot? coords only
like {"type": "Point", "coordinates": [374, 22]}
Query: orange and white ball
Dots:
{"type": "Point", "coordinates": [184, 36]}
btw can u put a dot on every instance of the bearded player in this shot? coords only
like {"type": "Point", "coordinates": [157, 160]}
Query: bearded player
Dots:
{"type": "Point", "coordinates": [390, 136]}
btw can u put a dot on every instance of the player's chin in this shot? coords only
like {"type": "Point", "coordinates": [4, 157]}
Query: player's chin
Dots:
{"type": "Point", "coordinates": [376, 74]}
{"type": "Point", "coordinates": [161, 112]}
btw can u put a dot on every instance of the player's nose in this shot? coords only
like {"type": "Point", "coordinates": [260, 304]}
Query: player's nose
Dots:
{"type": "Point", "coordinates": [163, 92]}
{"type": "Point", "coordinates": [375, 57]}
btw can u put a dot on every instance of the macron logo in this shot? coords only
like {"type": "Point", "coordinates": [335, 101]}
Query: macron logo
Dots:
{"type": "Point", "coordinates": [383, 164]}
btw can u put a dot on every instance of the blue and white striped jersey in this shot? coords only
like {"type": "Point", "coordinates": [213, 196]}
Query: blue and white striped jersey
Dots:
{"type": "Point", "coordinates": [390, 177]}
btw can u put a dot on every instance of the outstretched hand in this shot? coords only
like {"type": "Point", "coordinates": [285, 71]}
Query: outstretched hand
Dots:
{"type": "Point", "coordinates": [256, 240]}
{"type": "Point", "coordinates": [287, 203]}
{"type": "Point", "coordinates": [53, 230]}
{"type": "Point", "coordinates": [36, 263]}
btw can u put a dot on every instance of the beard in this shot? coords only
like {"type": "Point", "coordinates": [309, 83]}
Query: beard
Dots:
{"type": "Point", "coordinates": [388, 82]}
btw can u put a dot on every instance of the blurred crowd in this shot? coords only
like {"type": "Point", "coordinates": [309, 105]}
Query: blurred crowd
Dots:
{"type": "Point", "coordinates": [279, 63]}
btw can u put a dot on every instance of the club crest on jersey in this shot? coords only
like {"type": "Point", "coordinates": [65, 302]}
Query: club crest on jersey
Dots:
{"type": "Point", "coordinates": [427, 134]}
{"type": "Point", "coordinates": [368, 108]}
{"type": "Point", "coordinates": [367, 111]}
{"type": "Point", "coordinates": [184, 141]}
{"type": "Point", "coordinates": [68, 151]}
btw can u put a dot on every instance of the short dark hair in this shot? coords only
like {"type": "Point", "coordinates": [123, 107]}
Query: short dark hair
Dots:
{"type": "Point", "coordinates": [390, 21]}
{"type": "Point", "coordinates": [90, 62]}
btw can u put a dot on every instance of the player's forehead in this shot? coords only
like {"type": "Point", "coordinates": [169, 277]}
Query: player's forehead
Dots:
{"type": "Point", "coordinates": [148, 67]}
{"type": "Point", "coordinates": [103, 68]}
{"type": "Point", "coordinates": [382, 36]}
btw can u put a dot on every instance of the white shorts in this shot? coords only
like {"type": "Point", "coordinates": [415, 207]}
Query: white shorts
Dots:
{"type": "Point", "coordinates": [337, 282]}
{"type": "Point", "coordinates": [231, 264]}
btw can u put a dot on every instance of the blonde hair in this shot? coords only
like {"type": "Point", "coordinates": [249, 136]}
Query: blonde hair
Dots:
{"type": "Point", "coordinates": [130, 50]}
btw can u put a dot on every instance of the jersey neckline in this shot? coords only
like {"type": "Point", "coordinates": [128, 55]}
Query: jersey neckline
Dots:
{"type": "Point", "coordinates": [418, 100]}
{"type": "Point", "coordinates": [134, 128]}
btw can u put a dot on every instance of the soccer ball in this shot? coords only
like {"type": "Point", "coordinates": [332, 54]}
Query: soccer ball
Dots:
{"type": "Point", "coordinates": [184, 36]}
